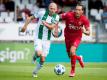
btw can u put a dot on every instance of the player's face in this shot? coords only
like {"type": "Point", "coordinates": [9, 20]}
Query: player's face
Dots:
{"type": "Point", "coordinates": [52, 9]}
{"type": "Point", "coordinates": [78, 11]}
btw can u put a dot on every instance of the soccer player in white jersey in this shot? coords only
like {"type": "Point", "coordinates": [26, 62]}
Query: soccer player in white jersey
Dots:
{"type": "Point", "coordinates": [47, 21]}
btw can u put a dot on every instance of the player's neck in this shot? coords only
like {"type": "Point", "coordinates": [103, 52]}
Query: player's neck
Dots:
{"type": "Point", "coordinates": [50, 14]}
{"type": "Point", "coordinates": [78, 16]}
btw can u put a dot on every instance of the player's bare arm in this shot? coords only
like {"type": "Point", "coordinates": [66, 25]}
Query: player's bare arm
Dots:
{"type": "Point", "coordinates": [49, 26]}
{"type": "Point", "coordinates": [26, 23]}
{"type": "Point", "coordinates": [86, 31]}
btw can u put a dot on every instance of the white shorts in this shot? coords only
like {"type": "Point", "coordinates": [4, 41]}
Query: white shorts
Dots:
{"type": "Point", "coordinates": [42, 45]}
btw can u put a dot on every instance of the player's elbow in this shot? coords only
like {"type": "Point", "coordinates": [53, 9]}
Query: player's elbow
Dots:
{"type": "Point", "coordinates": [88, 34]}
{"type": "Point", "coordinates": [30, 18]}
{"type": "Point", "coordinates": [51, 27]}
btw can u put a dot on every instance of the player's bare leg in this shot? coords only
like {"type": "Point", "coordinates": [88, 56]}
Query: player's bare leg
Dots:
{"type": "Point", "coordinates": [36, 55]}
{"type": "Point", "coordinates": [38, 66]}
{"type": "Point", "coordinates": [73, 61]}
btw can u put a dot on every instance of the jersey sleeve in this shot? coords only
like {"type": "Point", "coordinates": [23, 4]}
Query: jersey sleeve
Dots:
{"type": "Point", "coordinates": [63, 16]}
{"type": "Point", "coordinates": [56, 20]}
{"type": "Point", "coordinates": [86, 23]}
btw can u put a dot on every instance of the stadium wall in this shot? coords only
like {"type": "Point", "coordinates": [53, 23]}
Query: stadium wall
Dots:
{"type": "Point", "coordinates": [92, 52]}
{"type": "Point", "coordinates": [22, 52]}
{"type": "Point", "coordinates": [12, 32]}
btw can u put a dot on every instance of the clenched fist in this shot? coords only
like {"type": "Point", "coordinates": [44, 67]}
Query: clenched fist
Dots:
{"type": "Point", "coordinates": [23, 29]}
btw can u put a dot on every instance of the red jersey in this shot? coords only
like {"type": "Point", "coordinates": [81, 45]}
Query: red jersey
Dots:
{"type": "Point", "coordinates": [73, 31]}
{"type": "Point", "coordinates": [73, 24]}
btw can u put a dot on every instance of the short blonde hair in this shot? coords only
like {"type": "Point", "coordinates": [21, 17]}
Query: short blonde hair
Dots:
{"type": "Point", "coordinates": [53, 4]}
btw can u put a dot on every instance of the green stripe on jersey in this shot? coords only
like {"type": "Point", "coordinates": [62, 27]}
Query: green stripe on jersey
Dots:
{"type": "Point", "coordinates": [49, 34]}
{"type": "Point", "coordinates": [40, 32]}
{"type": "Point", "coordinates": [41, 27]}
{"type": "Point", "coordinates": [40, 35]}
{"type": "Point", "coordinates": [49, 31]}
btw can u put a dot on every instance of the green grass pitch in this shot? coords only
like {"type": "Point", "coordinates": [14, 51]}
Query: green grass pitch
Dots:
{"type": "Point", "coordinates": [23, 71]}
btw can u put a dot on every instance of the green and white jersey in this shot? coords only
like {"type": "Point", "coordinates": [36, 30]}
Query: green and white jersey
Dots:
{"type": "Point", "coordinates": [41, 31]}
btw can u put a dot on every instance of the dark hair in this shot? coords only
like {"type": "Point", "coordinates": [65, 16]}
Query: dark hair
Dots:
{"type": "Point", "coordinates": [83, 8]}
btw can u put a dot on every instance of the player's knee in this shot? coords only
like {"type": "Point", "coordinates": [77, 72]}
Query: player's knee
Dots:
{"type": "Point", "coordinates": [72, 52]}
{"type": "Point", "coordinates": [38, 54]}
{"type": "Point", "coordinates": [42, 59]}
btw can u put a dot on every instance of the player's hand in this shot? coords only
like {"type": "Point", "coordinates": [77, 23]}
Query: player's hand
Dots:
{"type": "Point", "coordinates": [83, 30]}
{"type": "Point", "coordinates": [44, 23]}
{"type": "Point", "coordinates": [23, 29]}
{"type": "Point", "coordinates": [56, 33]}
{"type": "Point", "coordinates": [86, 32]}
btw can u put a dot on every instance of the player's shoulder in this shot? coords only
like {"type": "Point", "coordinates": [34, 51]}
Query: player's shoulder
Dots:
{"type": "Point", "coordinates": [69, 13]}
{"type": "Point", "coordinates": [57, 15]}
{"type": "Point", "coordinates": [84, 17]}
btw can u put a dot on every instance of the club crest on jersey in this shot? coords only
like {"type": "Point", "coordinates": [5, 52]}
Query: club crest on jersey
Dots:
{"type": "Point", "coordinates": [80, 23]}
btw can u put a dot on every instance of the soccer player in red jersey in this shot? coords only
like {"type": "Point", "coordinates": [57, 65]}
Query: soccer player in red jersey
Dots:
{"type": "Point", "coordinates": [76, 24]}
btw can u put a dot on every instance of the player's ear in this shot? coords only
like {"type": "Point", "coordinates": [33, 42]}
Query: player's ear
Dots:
{"type": "Point", "coordinates": [82, 11]}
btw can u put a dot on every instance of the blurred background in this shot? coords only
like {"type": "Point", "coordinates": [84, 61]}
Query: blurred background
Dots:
{"type": "Point", "coordinates": [18, 47]}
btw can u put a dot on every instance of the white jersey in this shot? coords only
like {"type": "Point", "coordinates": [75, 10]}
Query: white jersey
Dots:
{"type": "Point", "coordinates": [41, 31]}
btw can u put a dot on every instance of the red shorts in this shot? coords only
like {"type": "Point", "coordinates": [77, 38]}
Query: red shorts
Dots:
{"type": "Point", "coordinates": [71, 42]}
